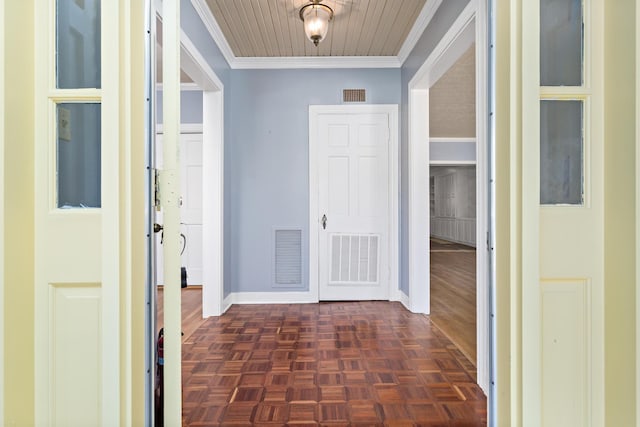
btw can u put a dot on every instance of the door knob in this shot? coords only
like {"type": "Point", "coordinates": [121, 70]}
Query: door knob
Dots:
{"type": "Point", "coordinates": [324, 222]}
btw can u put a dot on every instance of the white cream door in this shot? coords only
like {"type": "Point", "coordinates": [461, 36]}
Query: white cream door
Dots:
{"type": "Point", "coordinates": [563, 214]}
{"type": "Point", "coordinates": [190, 209]}
{"type": "Point", "coordinates": [354, 205]}
{"type": "Point", "coordinates": [80, 279]}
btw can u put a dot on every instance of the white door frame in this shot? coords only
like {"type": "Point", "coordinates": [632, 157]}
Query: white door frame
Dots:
{"type": "Point", "coordinates": [195, 65]}
{"type": "Point", "coordinates": [455, 42]}
{"type": "Point", "coordinates": [314, 221]}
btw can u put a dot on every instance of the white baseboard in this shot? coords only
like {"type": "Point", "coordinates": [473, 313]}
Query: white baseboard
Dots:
{"type": "Point", "coordinates": [227, 303]}
{"type": "Point", "coordinates": [288, 298]}
{"type": "Point", "coordinates": [402, 298]}
{"type": "Point", "coordinates": [270, 298]}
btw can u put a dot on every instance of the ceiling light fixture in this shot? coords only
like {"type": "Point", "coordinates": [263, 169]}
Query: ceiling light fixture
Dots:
{"type": "Point", "coordinates": [316, 17]}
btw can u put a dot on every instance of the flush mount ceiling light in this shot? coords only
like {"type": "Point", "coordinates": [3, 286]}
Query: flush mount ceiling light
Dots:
{"type": "Point", "coordinates": [316, 17]}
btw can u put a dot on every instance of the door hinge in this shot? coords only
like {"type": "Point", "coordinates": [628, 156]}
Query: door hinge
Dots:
{"type": "Point", "coordinates": [156, 190]}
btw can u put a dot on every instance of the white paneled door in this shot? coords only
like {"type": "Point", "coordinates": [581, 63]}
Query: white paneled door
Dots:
{"type": "Point", "coordinates": [190, 208]}
{"type": "Point", "coordinates": [353, 167]}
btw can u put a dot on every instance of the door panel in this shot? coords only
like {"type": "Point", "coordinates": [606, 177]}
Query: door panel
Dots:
{"type": "Point", "coordinates": [353, 177]}
{"type": "Point", "coordinates": [563, 148]}
{"type": "Point", "coordinates": [79, 238]}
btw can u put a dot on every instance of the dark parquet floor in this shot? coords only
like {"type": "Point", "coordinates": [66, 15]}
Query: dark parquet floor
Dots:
{"type": "Point", "coordinates": [334, 364]}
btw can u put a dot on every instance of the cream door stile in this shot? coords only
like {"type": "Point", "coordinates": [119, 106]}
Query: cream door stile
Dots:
{"type": "Point", "coordinates": [355, 198]}
{"type": "Point", "coordinates": [170, 200]}
{"type": "Point", "coordinates": [79, 270]}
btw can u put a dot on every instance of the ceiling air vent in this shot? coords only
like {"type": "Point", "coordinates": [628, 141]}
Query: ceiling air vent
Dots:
{"type": "Point", "coordinates": [353, 95]}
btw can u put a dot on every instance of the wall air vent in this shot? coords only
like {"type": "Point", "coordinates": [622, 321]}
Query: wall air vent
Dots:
{"type": "Point", "coordinates": [353, 95]}
{"type": "Point", "coordinates": [288, 258]}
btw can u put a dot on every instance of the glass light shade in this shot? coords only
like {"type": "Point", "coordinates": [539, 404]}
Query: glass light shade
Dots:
{"type": "Point", "coordinates": [316, 19]}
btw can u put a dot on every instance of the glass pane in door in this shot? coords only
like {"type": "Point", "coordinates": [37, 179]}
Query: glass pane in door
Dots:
{"type": "Point", "coordinates": [561, 43]}
{"type": "Point", "coordinates": [78, 155]}
{"type": "Point", "coordinates": [561, 152]}
{"type": "Point", "coordinates": [77, 44]}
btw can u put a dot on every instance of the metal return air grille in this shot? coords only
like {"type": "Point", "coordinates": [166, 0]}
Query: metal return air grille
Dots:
{"type": "Point", "coordinates": [288, 258]}
{"type": "Point", "coordinates": [354, 259]}
{"type": "Point", "coordinates": [353, 95]}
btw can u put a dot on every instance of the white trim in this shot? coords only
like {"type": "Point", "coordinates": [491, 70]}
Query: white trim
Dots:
{"type": "Point", "coordinates": [294, 62]}
{"type": "Point", "coordinates": [214, 29]}
{"type": "Point", "coordinates": [403, 299]}
{"type": "Point", "coordinates": [184, 128]}
{"type": "Point", "coordinates": [455, 50]}
{"type": "Point", "coordinates": [457, 38]}
{"type": "Point", "coordinates": [187, 87]}
{"type": "Point", "coordinates": [451, 139]}
{"type": "Point", "coordinates": [213, 203]}
{"type": "Point", "coordinates": [227, 303]}
{"type": "Point", "coordinates": [184, 87]}
{"type": "Point", "coordinates": [2, 172]}
{"type": "Point", "coordinates": [452, 162]}
{"type": "Point", "coordinates": [271, 298]}
{"type": "Point", "coordinates": [307, 62]}
{"type": "Point", "coordinates": [428, 11]}
{"type": "Point", "coordinates": [314, 222]}
{"type": "Point", "coordinates": [483, 303]}
{"type": "Point", "coordinates": [418, 215]}
{"type": "Point", "coordinates": [196, 66]}
{"type": "Point", "coordinates": [456, 41]}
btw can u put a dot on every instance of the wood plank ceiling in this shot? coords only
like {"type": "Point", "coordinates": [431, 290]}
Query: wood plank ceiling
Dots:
{"type": "Point", "coordinates": [272, 28]}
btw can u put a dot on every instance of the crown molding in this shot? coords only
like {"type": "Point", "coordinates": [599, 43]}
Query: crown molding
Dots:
{"type": "Point", "coordinates": [309, 62]}
{"type": "Point", "coordinates": [289, 62]}
{"type": "Point", "coordinates": [428, 11]}
{"type": "Point", "coordinates": [214, 29]}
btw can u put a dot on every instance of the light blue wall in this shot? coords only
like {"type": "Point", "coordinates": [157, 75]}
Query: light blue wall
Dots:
{"type": "Point", "coordinates": [190, 106]}
{"type": "Point", "coordinates": [441, 22]}
{"type": "Point", "coordinates": [267, 159]}
{"type": "Point", "coordinates": [266, 137]}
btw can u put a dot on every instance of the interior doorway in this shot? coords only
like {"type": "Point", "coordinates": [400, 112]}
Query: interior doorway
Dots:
{"type": "Point", "coordinates": [453, 254]}
{"type": "Point", "coordinates": [469, 28]}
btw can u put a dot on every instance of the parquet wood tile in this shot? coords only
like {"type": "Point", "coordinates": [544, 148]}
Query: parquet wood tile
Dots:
{"type": "Point", "coordinates": [334, 364]}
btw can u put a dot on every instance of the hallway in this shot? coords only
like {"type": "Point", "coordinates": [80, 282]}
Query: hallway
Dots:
{"type": "Point", "coordinates": [343, 363]}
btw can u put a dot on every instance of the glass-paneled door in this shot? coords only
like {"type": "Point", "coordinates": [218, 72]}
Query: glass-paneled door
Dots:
{"type": "Point", "coordinates": [81, 230]}
{"type": "Point", "coordinates": [563, 205]}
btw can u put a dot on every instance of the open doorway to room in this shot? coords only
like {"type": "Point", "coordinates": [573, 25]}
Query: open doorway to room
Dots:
{"type": "Point", "coordinates": [456, 131]}
{"type": "Point", "coordinates": [453, 255]}
{"type": "Point", "coordinates": [453, 204]}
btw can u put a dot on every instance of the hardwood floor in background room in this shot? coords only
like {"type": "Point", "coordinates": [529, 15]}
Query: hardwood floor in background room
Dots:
{"type": "Point", "coordinates": [191, 309]}
{"type": "Point", "coordinates": [334, 364]}
{"type": "Point", "coordinates": [453, 293]}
